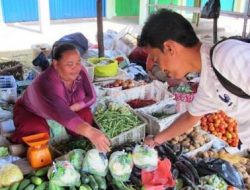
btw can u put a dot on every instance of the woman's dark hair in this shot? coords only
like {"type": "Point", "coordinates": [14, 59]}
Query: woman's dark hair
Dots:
{"type": "Point", "coordinates": [57, 51]}
{"type": "Point", "coordinates": [167, 25]}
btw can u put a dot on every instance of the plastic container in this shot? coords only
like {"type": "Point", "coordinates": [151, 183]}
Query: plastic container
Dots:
{"type": "Point", "coordinates": [133, 135]}
{"type": "Point", "coordinates": [104, 67]}
{"type": "Point", "coordinates": [8, 88]}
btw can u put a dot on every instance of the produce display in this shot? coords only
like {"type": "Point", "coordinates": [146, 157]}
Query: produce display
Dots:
{"type": "Point", "coordinates": [125, 84]}
{"type": "Point", "coordinates": [114, 119]}
{"type": "Point", "coordinates": [214, 182]}
{"type": "Point", "coordinates": [222, 126]}
{"type": "Point", "coordinates": [140, 103]}
{"type": "Point", "coordinates": [173, 165]}
{"type": "Point", "coordinates": [241, 163]}
{"type": "Point", "coordinates": [191, 140]}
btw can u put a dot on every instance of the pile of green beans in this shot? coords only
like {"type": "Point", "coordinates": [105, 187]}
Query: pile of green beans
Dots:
{"type": "Point", "coordinates": [113, 123]}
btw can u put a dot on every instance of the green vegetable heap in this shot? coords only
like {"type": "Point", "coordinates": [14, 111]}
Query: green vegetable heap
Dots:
{"type": "Point", "coordinates": [115, 119]}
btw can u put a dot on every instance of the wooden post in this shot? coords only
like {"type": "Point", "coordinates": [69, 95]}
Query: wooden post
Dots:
{"type": "Point", "coordinates": [100, 29]}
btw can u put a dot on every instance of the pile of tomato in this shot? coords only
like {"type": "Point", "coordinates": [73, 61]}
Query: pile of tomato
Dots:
{"type": "Point", "coordinates": [222, 126]}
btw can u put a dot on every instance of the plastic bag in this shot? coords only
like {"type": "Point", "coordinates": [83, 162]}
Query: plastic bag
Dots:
{"type": "Point", "coordinates": [161, 178]}
{"type": "Point", "coordinates": [222, 168]}
{"type": "Point", "coordinates": [120, 165]}
{"type": "Point", "coordinates": [145, 157]}
{"type": "Point", "coordinates": [10, 174]}
{"type": "Point", "coordinates": [211, 9]}
{"type": "Point", "coordinates": [95, 162]}
{"type": "Point", "coordinates": [76, 158]}
{"type": "Point", "coordinates": [63, 174]}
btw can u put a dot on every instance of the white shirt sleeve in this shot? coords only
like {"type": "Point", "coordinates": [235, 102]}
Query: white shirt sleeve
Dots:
{"type": "Point", "coordinates": [232, 59]}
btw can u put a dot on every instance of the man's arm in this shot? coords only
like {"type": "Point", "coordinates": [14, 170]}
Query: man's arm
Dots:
{"type": "Point", "coordinates": [183, 124]}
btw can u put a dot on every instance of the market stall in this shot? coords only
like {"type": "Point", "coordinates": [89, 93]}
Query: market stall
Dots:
{"type": "Point", "coordinates": [127, 110]}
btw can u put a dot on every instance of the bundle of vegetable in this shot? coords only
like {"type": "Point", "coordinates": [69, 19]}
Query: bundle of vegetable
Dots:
{"type": "Point", "coordinates": [120, 165]}
{"type": "Point", "coordinates": [76, 158]}
{"type": "Point", "coordinates": [145, 157]}
{"type": "Point", "coordinates": [71, 144]}
{"type": "Point", "coordinates": [115, 119]}
{"type": "Point", "coordinates": [10, 174]}
{"type": "Point", "coordinates": [62, 173]}
{"type": "Point", "coordinates": [95, 163]}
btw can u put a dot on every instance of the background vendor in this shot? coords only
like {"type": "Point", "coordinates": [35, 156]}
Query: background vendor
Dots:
{"type": "Point", "coordinates": [62, 93]}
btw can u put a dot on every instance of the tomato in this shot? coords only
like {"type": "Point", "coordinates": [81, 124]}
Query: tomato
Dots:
{"type": "Point", "coordinates": [229, 135]}
{"type": "Point", "coordinates": [224, 138]}
{"type": "Point", "coordinates": [211, 128]}
{"type": "Point", "coordinates": [230, 128]}
{"type": "Point", "coordinates": [219, 135]}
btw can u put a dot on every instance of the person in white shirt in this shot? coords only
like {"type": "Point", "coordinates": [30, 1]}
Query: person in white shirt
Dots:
{"type": "Point", "coordinates": [171, 40]}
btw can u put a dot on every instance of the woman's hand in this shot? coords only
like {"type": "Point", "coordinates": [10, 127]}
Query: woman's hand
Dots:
{"type": "Point", "coordinates": [101, 142]}
{"type": "Point", "coordinates": [75, 107]}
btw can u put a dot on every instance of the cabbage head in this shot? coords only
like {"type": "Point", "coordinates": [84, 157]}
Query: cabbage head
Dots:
{"type": "Point", "coordinates": [95, 162]}
{"type": "Point", "coordinates": [10, 174]}
{"type": "Point", "coordinates": [63, 174]}
{"type": "Point", "coordinates": [76, 158]}
{"type": "Point", "coordinates": [120, 165]}
{"type": "Point", "coordinates": [145, 157]}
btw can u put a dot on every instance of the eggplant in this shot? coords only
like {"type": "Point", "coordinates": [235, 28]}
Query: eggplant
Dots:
{"type": "Point", "coordinates": [170, 153]}
{"type": "Point", "coordinates": [192, 169]}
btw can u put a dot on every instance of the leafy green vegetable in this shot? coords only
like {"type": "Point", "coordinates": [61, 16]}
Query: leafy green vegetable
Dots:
{"type": "Point", "coordinates": [95, 163]}
{"type": "Point", "coordinates": [4, 151]}
{"type": "Point", "coordinates": [145, 157]}
{"type": "Point", "coordinates": [62, 173]}
{"type": "Point", "coordinates": [120, 165]}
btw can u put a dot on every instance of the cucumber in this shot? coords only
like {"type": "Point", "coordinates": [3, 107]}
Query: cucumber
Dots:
{"type": "Point", "coordinates": [30, 187]}
{"type": "Point", "coordinates": [36, 180]}
{"type": "Point", "coordinates": [42, 186]}
{"type": "Point", "coordinates": [101, 181]}
{"type": "Point", "coordinates": [24, 183]}
{"type": "Point", "coordinates": [120, 185]}
{"type": "Point", "coordinates": [42, 172]}
{"type": "Point", "coordinates": [54, 187]}
{"type": "Point", "coordinates": [84, 178]}
{"type": "Point", "coordinates": [92, 183]}
{"type": "Point", "coordinates": [85, 187]}
{"type": "Point", "coordinates": [14, 186]}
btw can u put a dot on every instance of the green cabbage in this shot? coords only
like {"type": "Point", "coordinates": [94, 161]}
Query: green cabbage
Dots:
{"type": "Point", "coordinates": [95, 162]}
{"type": "Point", "coordinates": [76, 158]}
{"type": "Point", "coordinates": [145, 157]}
{"type": "Point", "coordinates": [62, 174]}
{"type": "Point", "coordinates": [120, 165]}
{"type": "Point", "coordinates": [10, 174]}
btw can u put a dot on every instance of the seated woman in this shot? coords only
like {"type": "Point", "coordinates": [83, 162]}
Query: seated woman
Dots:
{"type": "Point", "coordinates": [63, 93]}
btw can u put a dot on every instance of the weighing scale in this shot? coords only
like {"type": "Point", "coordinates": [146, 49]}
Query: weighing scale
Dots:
{"type": "Point", "coordinates": [38, 153]}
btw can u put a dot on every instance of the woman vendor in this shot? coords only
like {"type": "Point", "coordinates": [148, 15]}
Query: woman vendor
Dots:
{"type": "Point", "coordinates": [62, 93]}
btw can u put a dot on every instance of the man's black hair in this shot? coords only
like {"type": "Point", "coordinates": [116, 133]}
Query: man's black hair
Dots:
{"type": "Point", "coordinates": [58, 51]}
{"type": "Point", "coordinates": [166, 25]}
